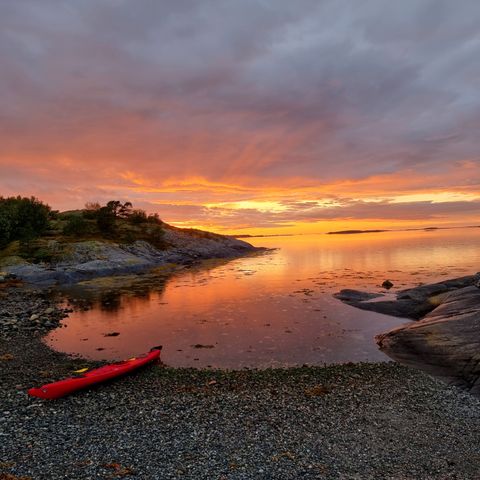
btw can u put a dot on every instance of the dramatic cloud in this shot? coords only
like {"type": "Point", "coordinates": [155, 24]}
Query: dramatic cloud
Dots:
{"type": "Point", "coordinates": [191, 108]}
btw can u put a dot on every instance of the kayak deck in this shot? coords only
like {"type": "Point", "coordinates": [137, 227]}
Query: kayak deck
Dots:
{"type": "Point", "coordinates": [107, 372]}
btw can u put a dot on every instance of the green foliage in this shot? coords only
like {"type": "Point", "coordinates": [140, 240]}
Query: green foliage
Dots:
{"type": "Point", "coordinates": [76, 225]}
{"type": "Point", "coordinates": [119, 209]}
{"type": "Point", "coordinates": [154, 235]}
{"type": "Point", "coordinates": [106, 220]}
{"type": "Point", "coordinates": [110, 219]}
{"type": "Point", "coordinates": [38, 255]}
{"type": "Point", "coordinates": [137, 217]}
{"type": "Point", "coordinates": [107, 215]}
{"type": "Point", "coordinates": [5, 228]}
{"type": "Point", "coordinates": [91, 210]}
{"type": "Point", "coordinates": [27, 219]}
{"type": "Point", "coordinates": [154, 218]}
{"type": "Point", "coordinates": [22, 219]}
{"type": "Point", "coordinates": [129, 237]}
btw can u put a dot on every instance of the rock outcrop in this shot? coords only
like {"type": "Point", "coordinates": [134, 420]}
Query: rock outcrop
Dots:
{"type": "Point", "coordinates": [413, 303]}
{"type": "Point", "coordinates": [445, 342]}
{"type": "Point", "coordinates": [90, 259]}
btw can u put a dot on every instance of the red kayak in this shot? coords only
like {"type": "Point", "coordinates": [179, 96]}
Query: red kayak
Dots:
{"type": "Point", "coordinates": [99, 375]}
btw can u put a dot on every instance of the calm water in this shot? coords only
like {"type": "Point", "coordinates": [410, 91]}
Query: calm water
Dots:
{"type": "Point", "coordinates": [273, 309]}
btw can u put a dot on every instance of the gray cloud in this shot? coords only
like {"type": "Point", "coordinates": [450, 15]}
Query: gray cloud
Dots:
{"type": "Point", "coordinates": [244, 89]}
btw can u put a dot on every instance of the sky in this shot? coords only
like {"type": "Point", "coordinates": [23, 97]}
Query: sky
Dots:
{"type": "Point", "coordinates": [246, 116]}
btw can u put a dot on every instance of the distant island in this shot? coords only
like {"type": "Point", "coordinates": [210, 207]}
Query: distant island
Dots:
{"type": "Point", "coordinates": [350, 232]}
{"type": "Point", "coordinates": [245, 235]}
{"type": "Point", "coordinates": [425, 229]}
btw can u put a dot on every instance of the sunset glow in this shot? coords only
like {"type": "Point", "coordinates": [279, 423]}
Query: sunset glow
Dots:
{"type": "Point", "coordinates": [251, 119]}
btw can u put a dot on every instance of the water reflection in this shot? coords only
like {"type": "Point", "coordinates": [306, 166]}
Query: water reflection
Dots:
{"type": "Point", "coordinates": [265, 310]}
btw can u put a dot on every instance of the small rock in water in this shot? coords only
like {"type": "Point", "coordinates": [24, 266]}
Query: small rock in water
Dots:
{"type": "Point", "coordinates": [111, 334]}
{"type": "Point", "coordinates": [387, 284]}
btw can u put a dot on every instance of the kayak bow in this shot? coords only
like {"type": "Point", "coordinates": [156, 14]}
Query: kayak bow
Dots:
{"type": "Point", "coordinates": [99, 375]}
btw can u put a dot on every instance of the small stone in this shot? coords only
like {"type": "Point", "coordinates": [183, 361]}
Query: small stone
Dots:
{"type": "Point", "coordinates": [34, 317]}
{"type": "Point", "coordinates": [317, 391]}
{"type": "Point", "coordinates": [387, 284]}
{"type": "Point", "coordinates": [49, 311]}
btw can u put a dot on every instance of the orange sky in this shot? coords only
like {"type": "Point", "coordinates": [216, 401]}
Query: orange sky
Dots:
{"type": "Point", "coordinates": [251, 117]}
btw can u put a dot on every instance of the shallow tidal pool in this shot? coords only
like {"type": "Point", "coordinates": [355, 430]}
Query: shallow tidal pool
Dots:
{"type": "Point", "coordinates": [269, 309]}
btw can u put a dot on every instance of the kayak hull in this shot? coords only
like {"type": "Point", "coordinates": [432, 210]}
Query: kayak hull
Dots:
{"type": "Point", "coordinates": [108, 372]}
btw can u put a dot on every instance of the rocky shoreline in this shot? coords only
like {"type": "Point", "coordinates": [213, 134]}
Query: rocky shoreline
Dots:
{"type": "Point", "coordinates": [85, 260]}
{"type": "Point", "coordinates": [28, 311]}
{"type": "Point", "coordinates": [337, 422]}
{"type": "Point", "coordinates": [444, 340]}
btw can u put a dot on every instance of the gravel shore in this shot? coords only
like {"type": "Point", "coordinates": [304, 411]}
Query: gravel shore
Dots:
{"type": "Point", "coordinates": [354, 421]}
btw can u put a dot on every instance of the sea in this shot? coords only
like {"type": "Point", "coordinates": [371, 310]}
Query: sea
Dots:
{"type": "Point", "coordinates": [274, 308]}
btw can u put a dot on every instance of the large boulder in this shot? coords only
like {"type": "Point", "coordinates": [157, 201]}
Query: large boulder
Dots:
{"type": "Point", "coordinates": [446, 343]}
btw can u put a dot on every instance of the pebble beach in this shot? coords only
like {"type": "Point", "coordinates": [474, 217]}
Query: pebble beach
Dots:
{"type": "Point", "coordinates": [355, 421]}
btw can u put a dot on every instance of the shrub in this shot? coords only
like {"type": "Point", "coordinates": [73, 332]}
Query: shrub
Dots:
{"type": "Point", "coordinates": [75, 225]}
{"type": "Point", "coordinates": [5, 228]}
{"type": "Point", "coordinates": [107, 215]}
{"type": "Point", "coordinates": [91, 210]}
{"type": "Point", "coordinates": [106, 220]}
{"type": "Point", "coordinates": [39, 255]}
{"type": "Point", "coordinates": [137, 217]}
{"type": "Point", "coordinates": [154, 235]}
{"type": "Point", "coordinates": [22, 219]}
{"type": "Point", "coordinates": [154, 218]}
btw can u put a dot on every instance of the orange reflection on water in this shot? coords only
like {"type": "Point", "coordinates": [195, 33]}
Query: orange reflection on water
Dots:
{"type": "Point", "coordinates": [271, 309]}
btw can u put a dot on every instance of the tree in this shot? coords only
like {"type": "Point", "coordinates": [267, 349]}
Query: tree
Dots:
{"type": "Point", "coordinates": [119, 209]}
{"type": "Point", "coordinates": [5, 228]}
{"type": "Point", "coordinates": [22, 219]}
{"type": "Point", "coordinates": [125, 210]}
{"type": "Point", "coordinates": [106, 220]}
{"type": "Point", "coordinates": [137, 217]}
{"type": "Point", "coordinates": [154, 218]}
